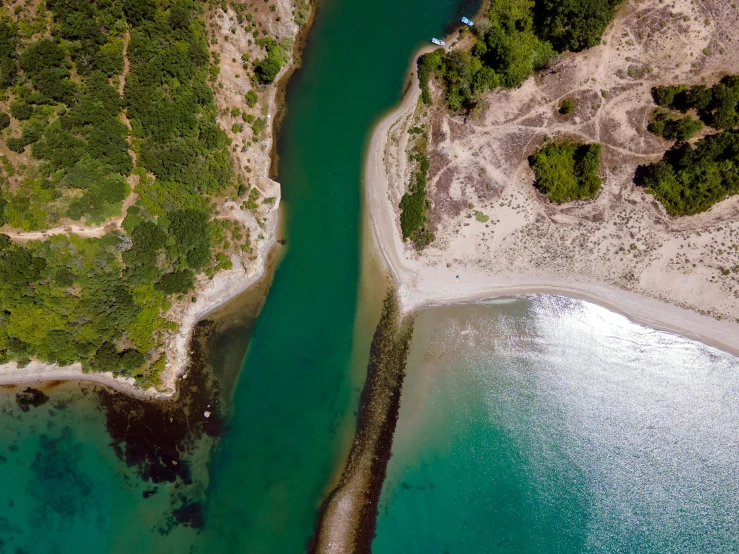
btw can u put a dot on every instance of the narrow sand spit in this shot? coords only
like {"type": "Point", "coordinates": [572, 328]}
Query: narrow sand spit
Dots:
{"type": "Point", "coordinates": [622, 250]}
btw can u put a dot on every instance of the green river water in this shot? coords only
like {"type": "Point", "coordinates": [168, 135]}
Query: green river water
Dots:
{"type": "Point", "coordinates": [62, 488]}
{"type": "Point", "coordinates": [541, 425]}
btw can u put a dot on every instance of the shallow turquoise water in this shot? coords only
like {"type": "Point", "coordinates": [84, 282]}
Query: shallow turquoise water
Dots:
{"type": "Point", "coordinates": [298, 387]}
{"type": "Point", "coordinates": [63, 489]}
{"type": "Point", "coordinates": [552, 425]}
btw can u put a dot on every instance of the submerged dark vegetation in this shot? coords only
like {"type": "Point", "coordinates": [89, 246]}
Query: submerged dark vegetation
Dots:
{"type": "Point", "coordinates": [567, 170]}
{"type": "Point", "coordinates": [691, 179]}
{"type": "Point", "coordinates": [379, 407]}
{"type": "Point", "coordinates": [514, 39]}
{"type": "Point", "coordinates": [101, 301]}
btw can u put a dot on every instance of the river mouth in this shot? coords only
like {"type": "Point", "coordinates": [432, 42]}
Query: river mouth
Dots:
{"type": "Point", "coordinates": [549, 424]}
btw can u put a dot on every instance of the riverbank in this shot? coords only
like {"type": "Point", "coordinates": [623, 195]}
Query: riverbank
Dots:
{"type": "Point", "coordinates": [464, 265]}
{"type": "Point", "coordinates": [255, 163]}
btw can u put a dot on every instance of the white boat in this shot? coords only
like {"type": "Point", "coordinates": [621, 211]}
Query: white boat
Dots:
{"type": "Point", "coordinates": [438, 41]}
{"type": "Point", "coordinates": [467, 21]}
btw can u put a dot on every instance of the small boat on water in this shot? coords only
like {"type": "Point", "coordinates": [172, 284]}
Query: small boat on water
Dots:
{"type": "Point", "coordinates": [438, 41]}
{"type": "Point", "coordinates": [468, 22]}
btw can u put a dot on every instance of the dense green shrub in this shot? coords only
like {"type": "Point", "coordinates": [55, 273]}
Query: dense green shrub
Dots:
{"type": "Point", "coordinates": [266, 69]}
{"type": "Point", "coordinates": [47, 66]}
{"type": "Point", "coordinates": [169, 102]}
{"type": "Point", "coordinates": [251, 98]}
{"type": "Point", "coordinates": [691, 180]}
{"type": "Point", "coordinates": [414, 206]}
{"type": "Point", "coordinates": [258, 126]}
{"type": "Point", "coordinates": [716, 106]}
{"type": "Point", "coordinates": [516, 38]}
{"type": "Point", "coordinates": [567, 170]}
{"type": "Point", "coordinates": [16, 144]}
{"type": "Point", "coordinates": [4, 120]}
{"type": "Point", "coordinates": [566, 106]}
{"type": "Point", "coordinates": [83, 142]}
{"type": "Point", "coordinates": [21, 110]}
{"type": "Point", "coordinates": [573, 24]}
{"type": "Point", "coordinates": [191, 232]}
{"type": "Point", "coordinates": [8, 53]}
{"type": "Point", "coordinates": [663, 124]}
{"type": "Point", "coordinates": [177, 282]}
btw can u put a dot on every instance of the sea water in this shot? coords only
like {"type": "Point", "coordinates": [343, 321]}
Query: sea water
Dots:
{"type": "Point", "coordinates": [553, 425]}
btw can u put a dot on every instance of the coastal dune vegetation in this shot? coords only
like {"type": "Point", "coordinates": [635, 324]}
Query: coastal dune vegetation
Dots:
{"type": "Point", "coordinates": [567, 170]}
{"type": "Point", "coordinates": [414, 218]}
{"type": "Point", "coordinates": [691, 179]}
{"type": "Point", "coordinates": [98, 98]}
{"type": "Point", "coordinates": [513, 39]}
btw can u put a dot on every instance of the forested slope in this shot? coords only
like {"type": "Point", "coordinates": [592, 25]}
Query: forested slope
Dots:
{"type": "Point", "coordinates": [100, 100]}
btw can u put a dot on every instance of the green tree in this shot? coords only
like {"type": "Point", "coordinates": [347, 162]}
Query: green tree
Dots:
{"type": "Point", "coordinates": [690, 180]}
{"type": "Point", "coordinates": [191, 232]}
{"type": "Point", "coordinates": [177, 282]}
{"type": "Point", "coordinates": [567, 170]}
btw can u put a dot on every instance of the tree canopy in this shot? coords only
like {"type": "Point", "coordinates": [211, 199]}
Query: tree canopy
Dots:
{"type": "Point", "coordinates": [690, 180]}
{"type": "Point", "coordinates": [516, 38]}
{"type": "Point", "coordinates": [567, 170]}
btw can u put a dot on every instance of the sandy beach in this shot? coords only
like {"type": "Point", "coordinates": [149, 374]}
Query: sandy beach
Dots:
{"type": "Point", "coordinates": [516, 257]}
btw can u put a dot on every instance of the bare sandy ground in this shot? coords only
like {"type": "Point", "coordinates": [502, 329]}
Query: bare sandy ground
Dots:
{"type": "Point", "coordinates": [621, 250]}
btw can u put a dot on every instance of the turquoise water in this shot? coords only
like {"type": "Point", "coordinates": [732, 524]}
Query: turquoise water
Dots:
{"type": "Point", "coordinates": [552, 425]}
{"type": "Point", "coordinates": [295, 392]}
{"type": "Point", "coordinates": [296, 396]}
{"type": "Point", "coordinates": [63, 489]}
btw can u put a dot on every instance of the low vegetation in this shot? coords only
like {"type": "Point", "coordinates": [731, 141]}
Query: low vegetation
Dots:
{"type": "Point", "coordinates": [267, 69]}
{"type": "Point", "coordinates": [566, 106]}
{"type": "Point", "coordinates": [514, 39]}
{"type": "Point", "coordinates": [414, 216]}
{"type": "Point", "coordinates": [567, 171]}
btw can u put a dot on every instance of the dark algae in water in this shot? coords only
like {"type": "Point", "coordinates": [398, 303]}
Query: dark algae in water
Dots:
{"type": "Point", "coordinates": [155, 436]}
{"type": "Point", "coordinates": [361, 483]}
{"type": "Point", "coordinates": [30, 398]}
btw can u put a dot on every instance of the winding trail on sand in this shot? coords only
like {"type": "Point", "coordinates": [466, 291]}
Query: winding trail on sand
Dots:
{"type": "Point", "coordinates": [420, 285]}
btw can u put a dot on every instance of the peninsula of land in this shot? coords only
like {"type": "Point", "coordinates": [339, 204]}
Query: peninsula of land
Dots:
{"type": "Point", "coordinates": [496, 235]}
